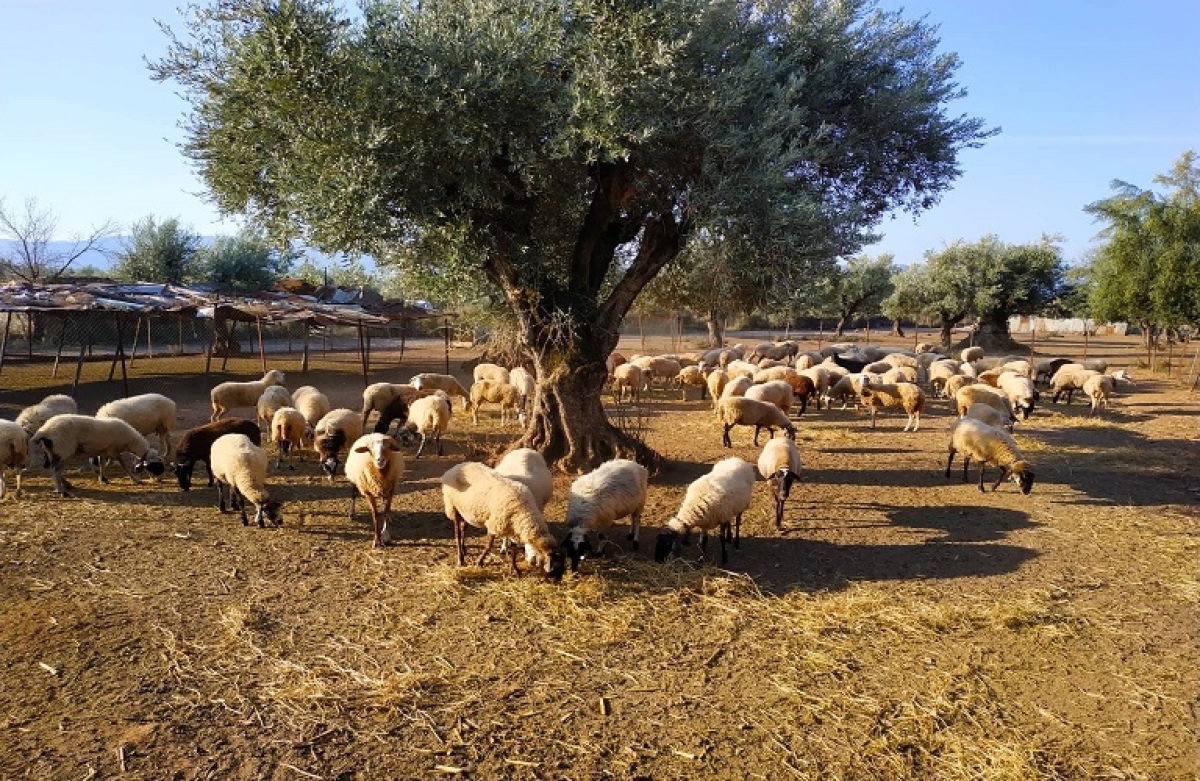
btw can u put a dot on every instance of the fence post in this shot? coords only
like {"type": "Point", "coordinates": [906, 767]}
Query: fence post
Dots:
{"type": "Point", "coordinates": [4, 342]}
{"type": "Point", "coordinates": [83, 345]}
{"type": "Point", "coordinates": [62, 337]}
{"type": "Point", "coordinates": [362, 354]}
{"type": "Point", "coordinates": [137, 331]}
{"type": "Point", "coordinates": [304, 357]}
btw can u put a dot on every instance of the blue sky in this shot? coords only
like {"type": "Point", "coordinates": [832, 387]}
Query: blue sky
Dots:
{"type": "Point", "coordinates": [1084, 91]}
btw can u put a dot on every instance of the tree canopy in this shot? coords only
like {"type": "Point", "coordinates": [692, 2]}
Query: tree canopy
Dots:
{"type": "Point", "coordinates": [568, 151]}
{"type": "Point", "coordinates": [245, 262]}
{"type": "Point", "coordinates": [860, 287]}
{"type": "Point", "coordinates": [987, 279]}
{"type": "Point", "coordinates": [1147, 270]}
{"type": "Point", "coordinates": [159, 252]}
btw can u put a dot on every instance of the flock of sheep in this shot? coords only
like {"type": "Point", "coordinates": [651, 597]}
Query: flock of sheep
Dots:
{"type": "Point", "coordinates": [760, 387]}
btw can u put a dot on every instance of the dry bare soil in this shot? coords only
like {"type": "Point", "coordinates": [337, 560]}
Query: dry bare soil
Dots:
{"type": "Point", "coordinates": [904, 626]}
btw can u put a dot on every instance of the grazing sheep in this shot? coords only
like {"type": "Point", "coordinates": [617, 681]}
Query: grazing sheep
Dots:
{"type": "Point", "coordinates": [476, 494]}
{"type": "Point", "coordinates": [447, 383]}
{"type": "Point", "coordinates": [1072, 377]}
{"type": "Point", "coordinates": [396, 409]}
{"type": "Point", "coordinates": [231, 395]}
{"type": "Point", "coordinates": [986, 394]}
{"type": "Point", "coordinates": [64, 436]}
{"type": "Point", "coordinates": [657, 367]}
{"type": "Point", "coordinates": [377, 396]}
{"type": "Point", "coordinates": [970, 354]}
{"type": "Point", "coordinates": [957, 383]}
{"type": "Point", "coordinates": [311, 403]}
{"type": "Point", "coordinates": [241, 465]}
{"type": "Point", "coordinates": [614, 360]}
{"type": "Point", "coordinates": [428, 416]}
{"type": "Point", "coordinates": [508, 397]}
{"type": "Point", "coordinates": [14, 448]}
{"type": "Point", "coordinates": [1020, 391]}
{"type": "Point", "coordinates": [691, 377]}
{"type": "Point", "coordinates": [713, 501]}
{"type": "Point", "coordinates": [1044, 371]}
{"type": "Point", "coordinates": [374, 467]}
{"type": "Point", "coordinates": [988, 445]}
{"type": "Point", "coordinates": [899, 374]}
{"type": "Point", "coordinates": [736, 386]}
{"type": "Point", "coordinates": [526, 386]}
{"type": "Point", "coordinates": [989, 415]}
{"type": "Point", "coordinates": [741, 369]}
{"type": "Point", "coordinates": [940, 373]}
{"type": "Point", "coordinates": [777, 392]}
{"type": "Point", "coordinates": [527, 466]}
{"type": "Point", "coordinates": [628, 377]}
{"type": "Point", "coordinates": [34, 417]}
{"type": "Point", "coordinates": [803, 385]}
{"type": "Point", "coordinates": [779, 464]}
{"type": "Point", "coordinates": [820, 378]}
{"type": "Point", "coordinates": [904, 395]}
{"type": "Point", "coordinates": [333, 433]}
{"type": "Point", "coordinates": [1098, 389]}
{"type": "Point", "coordinates": [490, 371]}
{"type": "Point", "coordinates": [613, 490]}
{"type": "Point", "coordinates": [273, 398]}
{"type": "Point", "coordinates": [196, 444]}
{"type": "Point", "coordinates": [288, 430]}
{"type": "Point", "coordinates": [149, 413]}
{"type": "Point", "coordinates": [849, 387]}
{"type": "Point", "coordinates": [717, 380]}
{"type": "Point", "coordinates": [739, 411]}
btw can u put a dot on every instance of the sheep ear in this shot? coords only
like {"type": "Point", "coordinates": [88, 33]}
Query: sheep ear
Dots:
{"type": "Point", "coordinates": [361, 449]}
{"type": "Point", "coordinates": [392, 445]}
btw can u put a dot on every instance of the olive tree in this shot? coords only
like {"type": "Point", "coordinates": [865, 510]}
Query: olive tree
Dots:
{"type": "Point", "coordinates": [860, 287]}
{"type": "Point", "coordinates": [567, 151]}
{"type": "Point", "coordinates": [159, 252]}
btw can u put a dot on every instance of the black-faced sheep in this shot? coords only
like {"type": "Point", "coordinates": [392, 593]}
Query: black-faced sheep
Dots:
{"type": "Point", "coordinates": [64, 436]}
{"type": "Point", "coordinates": [196, 444]}
{"type": "Point", "coordinates": [614, 490]}
{"type": "Point", "coordinates": [427, 417]}
{"type": "Point", "coordinates": [779, 464]}
{"type": "Point", "coordinates": [740, 411]}
{"type": "Point", "coordinates": [378, 396]}
{"type": "Point", "coordinates": [713, 501]}
{"type": "Point", "coordinates": [988, 445]}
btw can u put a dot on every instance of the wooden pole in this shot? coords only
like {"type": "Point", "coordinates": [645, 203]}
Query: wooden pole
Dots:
{"type": "Point", "coordinates": [181, 334]}
{"type": "Point", "coordinates": [1194, 375]}
{"type": "Point", "coordinates": [137, 332]}
{"type": "Point", "coordinates": [229, 344]}
{"type": "Point", "coordinates": [149, 345]}
{"type": "Point", "coordinates": [304, 357]}
{"type": "Point", "coordinates": [446, 331]}
{"type": "Point", "coordinates": [403, 331]}
{"type": "Point", "coordinates": [212, 345]}
{"type": "Point", "coordinates": [262, 350]}
{"type": "Point", "coordinates": [4, 341]}
{"type": "Point", "coordinates": [83, 345]}
{"type": "Point", "coordinates": [62, 337]}
{"type": "Point", "coordinates": [121, 352]}
{"type": "Point", "coordinates": [1085, 338]}
{"type": "Point", "coordinates": [362, 354]}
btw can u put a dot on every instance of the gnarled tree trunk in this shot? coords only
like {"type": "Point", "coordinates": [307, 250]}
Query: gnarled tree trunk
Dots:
{"type": "Point", "coordinates": [716, 328]}
{"type": "Point", "coordinates": [947, 324]}
{"type": "Point", "coordinates": [993, 334]}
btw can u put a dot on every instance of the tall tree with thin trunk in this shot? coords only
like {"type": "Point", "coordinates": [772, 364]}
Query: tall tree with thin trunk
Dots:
{"type": "Point", "coordinates": [35, 253]}
{"type": "Point", "coordinates": [568, 151]}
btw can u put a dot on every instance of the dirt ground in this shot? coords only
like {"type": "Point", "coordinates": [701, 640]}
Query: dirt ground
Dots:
{"type": "Point", "coordinates": [904, 626]}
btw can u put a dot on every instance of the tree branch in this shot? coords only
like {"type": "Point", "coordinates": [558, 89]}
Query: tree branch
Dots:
{"type": "Point", "coordinates": [662, 239]}
{"type": "Point", "coordinates": [602, 231]}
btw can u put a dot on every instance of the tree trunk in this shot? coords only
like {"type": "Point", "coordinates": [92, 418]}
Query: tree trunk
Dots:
{"type": "Point", "coordinates": [840, 331]}
{"type": "Point", "coordinates": [569, 426]}
{"type": "Point", "coordinates": [994, 336]}
{"type": "Point", "coordinates": [896, 329]}
{"type": "Point", "coordinates": [716, 328]}
{"type": "Point", "coordinates": [947, 331]}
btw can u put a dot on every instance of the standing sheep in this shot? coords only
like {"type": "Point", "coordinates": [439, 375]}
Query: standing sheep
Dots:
{"type": "Point", "coordinates": [376, 397]}
{"type": "Point", "coordinates": [614, 490]}
{"type": "Point", "coordinates": [64, 436]}
{"type": "Point", "coordinates": [777, 392]}
{"type": "Point", "coordinates": [288, 431]}
{"type": "Point", "coordinates": [34, 417]}
{"type": "Point", "coordinates": [779, 464]}
{"type": "Point", "coordinates": [490, 371]}
{"type": "Point", "coordinates": [903, 395]}
{"type": "Point", "coordinates": [503, 394]}
{"type": "Point", "coordinates": [526, 386]}
{"type": "Point", "coordinates": [231, 395]}
{"type": "Point", "coordinates": [273, 398]}
{"type": "Point", "coordinates": [628, 377]}
{"type": "Point", "coordinates": [14, 447]}
{"type": "Point", "coordinates": [713, 501]}
{"type": "Point", "coordinates": [428, 416]}
{"type": "Point", "coordinates": [427, 382]}
{"type": "Point", "coordinates": [475, 494]}
{"type": "Point", "coordinates": [311, 403]}
{"type": "Point", "coordinates": [196, 444]}
{"type": "Point", "coordinates": [241, 465]}
{"type": "Point", "coordinates": [988, 445]}
{"type": "Point", "coordinates": [989, 415]}
{"type": "Point", "coordinates": [528, 467]}
{"type": "Point", "coordinates": [149, 413]}
{"type": "Point", "coordinates": [374, 467]}
{"type": "Point", "coordinates": [739, 411]}
{"type": "Point", "coordinates": [334, 433]}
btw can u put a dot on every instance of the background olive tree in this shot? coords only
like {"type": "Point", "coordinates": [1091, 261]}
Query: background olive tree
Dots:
{"type": "Point", "coordinates": [159, 252]}
{"type": "Point", "coordinates": [567, 152]}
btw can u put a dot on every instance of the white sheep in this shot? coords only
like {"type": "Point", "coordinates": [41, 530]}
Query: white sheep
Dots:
{"type": "Point", "coordinates": [713, 501]}
{"type": "Point", "coordinates": [740, 411]}
{"type": "Point", "coordinates": [448, 383]}
{"type": "Point", "coordinates": [490, 371]}
{"type": "Point", "coordinates": [988, 445]}
{"type": "Point", "coordinates": [777, 392]}
{"type": "Point", "coordinates": [736, 387]}
{"type": "Point", "coordinates": [34, 417]}
{"type": "Point", "coordinates": [503, 394]}
{"type": "Point", "coordinates": [149, 413]}
{"type": "Point", "coordinates": [377, 396]}
{"type": "Point", "coordinates": [612, 491]}
{"type": "Point", "coordinates": [527, 466]}
{"type": "Point", "coordinates": [374, 467]}
{"type": "Point", "coordinates": [311, 403]}
{"type": "Point", "coordinates": [14, 449]}
{"type": "Point", "coordinates": [476, 494]}
{"type": "Point", "coordinates": [429, 417]}
{"type": "Point", "coordinates": [1098, 389]}
{"type": "Point", "coordinates": [273, 399]}
{"type": "Point", "coordinates": [717, 380]}
{"type": "Point", "coordinates": [691, 377]}
{"type": "Point", "coordinates": [967, 395]}
{"type": "Point", "coordinates": [956, 383]}
{"type": "Point", "coordinates": [288, 431]}
{"type": "Point", "coordinates": [1072, 376]}
{"type": "Point", "coordinates": [628, 377]}
{"type": "Point", "coordinates": [1020, 391]}
{"type": "Point", "coordinates": [241, 466]}
{"type": "Point", "coordinates": [658, 367]}
{"type": "Point", "coordinates": [231, 395]}
{"type": "Point", "coordinates": [333, 433]}
{"type": "Point", "coordinates": [989, 415]}
{"type": "Point", "coordinates": [904, 395]}
{"type": "Point", "coordinates": [779, 464]}
{"type": "Point", "coordinates": [970, 354]}
{"type": "Point", "coordinates": [525, 384]}
{"type": "Point", "coordinates": [64, 436]}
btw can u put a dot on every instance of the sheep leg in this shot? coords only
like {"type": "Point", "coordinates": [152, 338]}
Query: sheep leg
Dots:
{"type": "Point", "coordinates": [873, 411]}
{"type": "Point", "coordinates": [982, 469]}
{"type": "Point", "coordinates": [421, 447]}
{"type": "Point", "coordinates": [703, 545]}
{"type": "Point", "coordinates": [949, 461]}
{"type": "Point", "coordinates": [128, 471]}
{"type": "Point", "coordinates": [376, 519]}
{"type": "Point", "coordinates": [438, 438]}
{"type": "Point", "coordinates": [757, 428]}
{"type": "Point", "coordinates": [737, 532]}
{"type": "Point", "coordinates": [236, 496]}
{"type": "Point", "coordinates": [725, 440]}
{"type": "Point", "coordinates": [512, 553]}
{"type": "Point", "coordinates": [221, 498]}
{"type": "Point", "coordinates": [966, 465]}
{"type": "Point", "coordinates": [487, 548]}
{"type": "Point", "coordinates": [1005, 473]}
{"type": "Point", "coordinates": [61, 486]}
{"type": "Point", "coordinates": [460, 542]}
{"type": "Point", "coordinates": [724, 534]}
{"type": "Point", "coordinates": [353, 496]}
{"type": "Point", "coordinates": [387, 520]}
{"type": "Point", "coordinates": [635, 528]}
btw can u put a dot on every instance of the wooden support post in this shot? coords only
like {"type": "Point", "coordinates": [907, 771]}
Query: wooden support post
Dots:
{"type": "Point", "coordinates": [1085, 338]}
{"type": "Point", "coordinates": [62, 337]}
{"type": "Point", "coordinates": [403, 331]}
{"type": "Point", "coordinates": [4, 341]}
{"type": "Point", "coordinates": [181, 334]}
{"type": "Point", "coordinates": [149, 345]}
{"type": "Point", "coordinates": [446, 331]}
{"type": "Point", "coordinates": [262, 350]}
{"type": "Point", "coordinates": [137, 331]}
{"type": "Point", "coordinates": [362, 354]}
{"type": "Point", "coordinates": [121, 352]}
{"type": "Point", "coordinates": [83, 345]}
{"type": "Point", "coordinates": [304, 358]}
{"type": "Point", "coordinates": [229, 344]}
{"type": "Point", "coordinates": [212, 346]}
